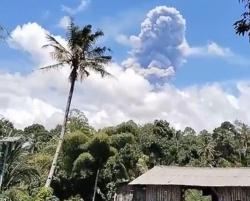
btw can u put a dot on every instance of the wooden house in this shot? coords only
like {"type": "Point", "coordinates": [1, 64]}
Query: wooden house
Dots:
{"type": "Point", "coordinates": [164, 183]}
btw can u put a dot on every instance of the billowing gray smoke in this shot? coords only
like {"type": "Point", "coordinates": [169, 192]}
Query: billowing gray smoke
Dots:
{"type": "Point", "coordinates": [157, 49]}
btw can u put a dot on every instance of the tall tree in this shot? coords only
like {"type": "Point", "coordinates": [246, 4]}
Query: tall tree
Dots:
{"type": "Point", "coordinates": [99, 148]}
{"type": "Point", "coordinates": [206, 149]}
{"type": "Point", "coordinates": [6, 128]}
{"type": "Point", "coordinates": [83, 57]}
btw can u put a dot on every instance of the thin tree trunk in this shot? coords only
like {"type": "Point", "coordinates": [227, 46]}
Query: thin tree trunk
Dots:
{"type": "Point", "coordinates": [4, 164]}
{"type": "Point", "coordinates": [95, 187]}
{"type": "Point", "coordinates": [61, 138]}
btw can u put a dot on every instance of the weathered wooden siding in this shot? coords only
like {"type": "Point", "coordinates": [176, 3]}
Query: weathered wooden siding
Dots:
{"type": "Point", "coordinates": [139, 193]}
{"type": "Point", "coordinates": [149, 193]}
{"type": "Point", "coordinates": [174, 193]}
{"type": "Point", "coordinates": [233, 194]}
{"type": "Point", "coordinates": [163, 193]}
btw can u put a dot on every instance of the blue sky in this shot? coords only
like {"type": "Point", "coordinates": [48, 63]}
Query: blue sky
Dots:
{"type": "Point", "coordinates": [218, 60]}
{"type": "Point", "coordinates": [206, 21]}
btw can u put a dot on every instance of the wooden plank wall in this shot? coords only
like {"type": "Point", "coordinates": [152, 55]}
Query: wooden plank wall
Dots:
{"type": "Point", "coordinates": [163, 193]}
{"type": "Point", "coordinates": [233, 194]}
{"type": "Point", "coordinates": [149, 193]}
{"type": "Point", "coordinates": [174, 193]}
{"type": "Point", "coordinates": [139, 193]}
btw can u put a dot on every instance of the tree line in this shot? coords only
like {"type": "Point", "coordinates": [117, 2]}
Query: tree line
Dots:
{"type": "Point", "coordinates": [93, 163]}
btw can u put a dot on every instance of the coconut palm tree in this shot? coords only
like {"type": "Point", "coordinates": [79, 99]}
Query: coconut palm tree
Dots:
{"type": "Point", "coordinates": [206, 149]}
{"type": "Point", "coordinates": [17, 170]}
{"type": "Point", "coordinates": [83, 57]}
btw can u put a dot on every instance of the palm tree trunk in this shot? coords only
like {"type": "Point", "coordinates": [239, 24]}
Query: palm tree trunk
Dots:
{"type": "Point", "coordinates": [95, 187]}
{"type": "Point", "coordinates": [61, 138]}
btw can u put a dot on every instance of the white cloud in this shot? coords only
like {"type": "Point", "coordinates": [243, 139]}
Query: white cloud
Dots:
{"type": "Point", "coordinates": [26, 110]}
{"type": "Point", "coordinates": [21, 104]}
{"type": "Point", "coordinates": [211, 49]}
{"type": "Point", "coordinates": [214, 49]}
{"type": "Point", "coordinates": [41, 96]}
{"type": "Point", "coordinates": [72, 11]}
{"type": "Point", "coordinates": [30, 38]}
{"type": "Point", "coordinates": [64, 22]}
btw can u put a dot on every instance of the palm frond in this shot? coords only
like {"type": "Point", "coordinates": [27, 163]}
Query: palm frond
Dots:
{"type": "Point", "coordinates": [95, 36]}
{"type": "Point", "coordinates": [99, 60]}
{"type": "Point", "coordinates": [22, 174]}
{"type": "Point", "coordinates": [57, 48]}
{"type": "Point", "coordinates": [83, 73]}
{"type": "Point", "coordinates": [18, 171]}
{"type": "Point", "coordinates": [60, 57]}
{"type": "Point", "coordinates": [73, 35]}
{"type": "Point", "coordinates": [55, 43]}
{"type": "Point", "coordinates": [82, 56]}
{"type": "Point", "coordinates": [60, 53]}
{"type": "Point", "coordinates": [53, 66]}
{"type": "Point", "coordinates": [97, 52]}
{"type": "Point", "coordinates": [98, 68]}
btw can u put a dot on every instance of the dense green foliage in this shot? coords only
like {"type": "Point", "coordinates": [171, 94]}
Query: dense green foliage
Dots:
{"type": "Point", "coordinates": [119, 154]}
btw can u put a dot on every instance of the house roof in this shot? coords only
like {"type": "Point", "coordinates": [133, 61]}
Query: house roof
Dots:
{"type": "Point", "coordinates": [196, 177]}
{"type": "Point", "coordinates": [9, 139]}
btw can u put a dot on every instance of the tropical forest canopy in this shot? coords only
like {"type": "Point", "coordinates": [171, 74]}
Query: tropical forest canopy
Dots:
{"type": "Point", "coordinates": [120, 154]}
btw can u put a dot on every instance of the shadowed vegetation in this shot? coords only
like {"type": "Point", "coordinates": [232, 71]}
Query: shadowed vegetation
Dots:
{"type": "Point", "coordinates": [94, 162]}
